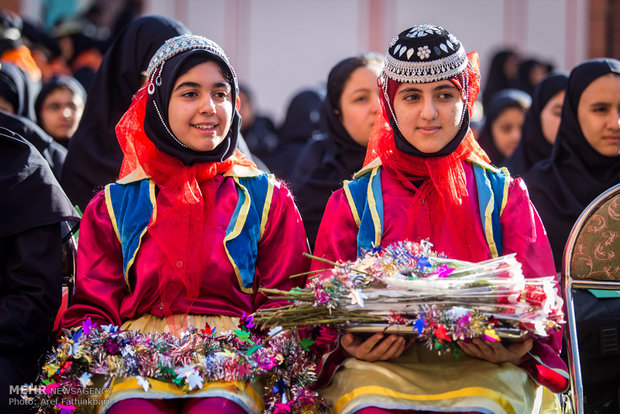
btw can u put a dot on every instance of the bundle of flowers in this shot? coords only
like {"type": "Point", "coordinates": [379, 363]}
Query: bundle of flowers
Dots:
{"type": "Point", "coordinates": [189, 361]}
{"type": "Point", "coordinates": [408, 288]}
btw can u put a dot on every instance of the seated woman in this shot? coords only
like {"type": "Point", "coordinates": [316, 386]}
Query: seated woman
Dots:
{"type": "Point", "coordinates": [192, 229]}
{"type": "Point", "coordinates": [32, 207]}
{"type": "Point", "coordinates": [350, 108]}
{"type": "Point", "coordinates": [585, 161]}
{"type": "Point", "coordinates": [427, 180]}
{"type": "Point", "coordinates": [541, 125]}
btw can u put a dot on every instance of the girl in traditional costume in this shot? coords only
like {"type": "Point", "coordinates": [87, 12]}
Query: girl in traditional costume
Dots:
{"type": "Point", "coordinates": [191, 230]}
{"type": "Point", "coordinates": [427, 178]}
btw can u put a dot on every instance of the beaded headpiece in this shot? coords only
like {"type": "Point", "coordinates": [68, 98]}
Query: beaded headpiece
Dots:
{"type": "Point", "coordinates": [427, 53]}
{"type": "Point", "coordinates": [179, 44]}
{"type": "Point", "coordinates": [424, 54]}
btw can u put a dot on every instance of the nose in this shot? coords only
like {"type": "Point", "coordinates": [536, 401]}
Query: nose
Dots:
{"type": "Point", "coordinates": [67, 112]}
{"type": "Point", "coordinates": [615, 119]}
{"type": "Point", "coordinates": [376, 104]}
{"type": "Point", "coordinates": [207, 105]}
{"type": "Point", "coordinates": [429, 110]}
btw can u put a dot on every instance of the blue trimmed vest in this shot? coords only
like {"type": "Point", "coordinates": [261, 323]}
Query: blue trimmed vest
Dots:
{"type": "Point", "coordinates": [132, 205]}
{"type": "Point", "coordinates": [366, 202]}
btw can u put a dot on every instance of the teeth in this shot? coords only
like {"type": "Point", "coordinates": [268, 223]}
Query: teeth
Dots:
{"type": "Point", "coordinates": [203, 127]}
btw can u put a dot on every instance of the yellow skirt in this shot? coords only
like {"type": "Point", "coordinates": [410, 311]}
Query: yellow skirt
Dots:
{"type": "Point", "coordinates": [422, 380]}
{"type": "Point", "coordinates": [247, 396]}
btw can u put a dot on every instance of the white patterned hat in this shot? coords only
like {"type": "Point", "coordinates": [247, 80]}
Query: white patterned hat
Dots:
{"type": "Point", "coordinates": [423, 54]}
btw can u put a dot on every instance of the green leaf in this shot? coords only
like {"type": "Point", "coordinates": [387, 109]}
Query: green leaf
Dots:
{"type": "Point", "coordinates": [306, 343]}
{"type": "Point", "coordinates": [243, 336]}
{"type": "Point", "coordinates": [253, 349]}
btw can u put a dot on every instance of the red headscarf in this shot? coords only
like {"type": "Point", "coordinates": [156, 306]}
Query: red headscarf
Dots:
{"type": "Point", "coordinates": [443, 176]}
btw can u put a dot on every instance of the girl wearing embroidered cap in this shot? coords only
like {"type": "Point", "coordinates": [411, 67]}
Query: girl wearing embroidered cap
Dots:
{"type": "Point", "coordinates": [191, 230]}
{"type": "Point", "coordinates": [428, 179]}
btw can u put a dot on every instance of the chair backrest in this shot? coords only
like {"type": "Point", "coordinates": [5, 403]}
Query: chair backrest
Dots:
{"type": "Point", "coordinates": [593, 247]}
{"type": "Point", "coordinates": [591, 261]}
{"type": "Point", "coordinates": [69, 254]}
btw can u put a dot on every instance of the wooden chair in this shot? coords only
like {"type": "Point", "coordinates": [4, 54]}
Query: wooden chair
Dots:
{"type": "Point", "coordinates": [591, 261]}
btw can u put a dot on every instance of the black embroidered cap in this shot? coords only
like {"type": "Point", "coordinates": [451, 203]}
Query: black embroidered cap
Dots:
{"type": "Point", "coordinates": [424, 53]}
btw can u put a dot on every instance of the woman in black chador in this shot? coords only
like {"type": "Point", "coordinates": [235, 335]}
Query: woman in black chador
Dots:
{"type": "Point", "coordinates": [31, 209]}
{"type": "Point", "coordinates": [585, 159]}
{"type": "Point", "coordinates": [350, 108]}
{"type": "Point", "coordinates": [541, 125]}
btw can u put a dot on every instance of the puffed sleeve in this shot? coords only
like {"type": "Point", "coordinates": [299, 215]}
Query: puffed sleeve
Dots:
{"type": "Point", "coordinates": [100, 283]}
{"type": "Point", "coordinates": [31, 287]}
{"type": "Point", "coordinates": [337, 235]}
{"type": "Point", "coordinates": [282, 247]}
{"type": "Point", "coordinates": [335, 241]}
{"type": "Point", "coordinates": [523, 233]}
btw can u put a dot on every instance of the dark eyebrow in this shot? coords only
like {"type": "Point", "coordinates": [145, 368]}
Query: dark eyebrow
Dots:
{"type": "Point", "coordinates": [600, 104]}
{"type": "Point", "coordinates": [436, 89]}
{"type": "Point", "coordinates": [189, 84]}
{"type": "Point", "coordinates": [222, 85]}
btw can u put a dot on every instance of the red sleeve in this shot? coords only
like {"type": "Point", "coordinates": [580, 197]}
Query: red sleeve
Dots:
{"type": "Point", "coordinates": [337, 235]}
{"type": "Point", "coordinates": [280, 250]}
{"type": "Point", "coordinates": [523, 233]}
{"type": "Point", "coordinates": [335, 241]}
{"type": "Point", "coordinates": [100, 283]}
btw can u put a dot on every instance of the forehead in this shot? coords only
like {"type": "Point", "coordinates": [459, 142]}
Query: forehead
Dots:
{"type": "Point", "coordinates": [603, 89]}
{"type": "Point", "coordinates": [426, 87]}
{"type": "Point", "coordinates": [61, 92]}
{"type": "Point", "coordinates": [205, 73]}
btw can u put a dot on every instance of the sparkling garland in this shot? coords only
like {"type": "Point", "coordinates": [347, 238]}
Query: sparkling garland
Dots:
{"type": "Point", "coordinates": [411, 286]}
{"type": "Point", "coordinates": [196, 357]}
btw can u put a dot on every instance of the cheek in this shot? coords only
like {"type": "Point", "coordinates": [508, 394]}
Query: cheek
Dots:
{"type": "Point", "coordinates": [590, 126]}
{"type": "Point", "coordinates": [501, 133]}
{"type": "Point", "coordinates": [49, 116]}
{"type": "Point", "coordinates": [225, 111]}
{"type": "Point", "coordinates": [351, 118]}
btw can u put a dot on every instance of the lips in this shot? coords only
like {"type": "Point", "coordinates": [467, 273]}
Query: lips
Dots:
{"type": "Point", "coordinates": [428, 130]}
{"type": "Point", "coordinates": [205, 127]}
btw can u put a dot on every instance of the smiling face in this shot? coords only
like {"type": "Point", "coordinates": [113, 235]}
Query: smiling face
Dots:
{"type": "Point", "coordinates": [359, 103]}
{"type": "Point", "coordinates": [200, 109]}
{"type": "Point", "coordinates": [428, 114]}
{"type": "Point", "coordinates": [61, 112]}
{"type": "Point", "coordinates": [599, 114]}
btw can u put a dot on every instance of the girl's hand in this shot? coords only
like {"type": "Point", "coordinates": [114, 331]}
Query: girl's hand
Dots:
{"type": "Point", "coordinates": [374, 348]}
{"type": "Point", "coordinates": [496, 352]}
